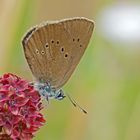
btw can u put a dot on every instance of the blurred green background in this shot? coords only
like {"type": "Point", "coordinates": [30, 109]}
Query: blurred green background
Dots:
{"type": "Point", "coordinates": [107, 80]}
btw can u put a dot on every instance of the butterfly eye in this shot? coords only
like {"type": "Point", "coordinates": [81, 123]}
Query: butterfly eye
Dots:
{"type": "Point", "coordinates": [73, 39]}
{"type": "Point", "coordinates": [52, 41]}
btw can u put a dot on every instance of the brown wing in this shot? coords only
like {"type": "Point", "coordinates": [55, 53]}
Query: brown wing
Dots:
{"type": "Point", "coordinates": [53, 50]}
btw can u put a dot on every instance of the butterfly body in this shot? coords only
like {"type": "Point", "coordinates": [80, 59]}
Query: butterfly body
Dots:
{"type": "Point", "coordinates": [48, 92]}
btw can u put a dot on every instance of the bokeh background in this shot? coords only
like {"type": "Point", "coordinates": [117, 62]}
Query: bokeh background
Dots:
{"type": "Point", "coordinates": [107, 80]}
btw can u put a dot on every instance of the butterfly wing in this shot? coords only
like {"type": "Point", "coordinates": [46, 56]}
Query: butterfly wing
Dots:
{"type": "Point", "coordinates": [80, 31]}
{"type": "Point", "coordinates": [53, 50]}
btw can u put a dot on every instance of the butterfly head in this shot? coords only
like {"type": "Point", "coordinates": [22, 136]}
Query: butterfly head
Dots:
{"type": "Point", "coordinates": [60, 95]}
{"type": "Point", "coordinates": [46, 90]}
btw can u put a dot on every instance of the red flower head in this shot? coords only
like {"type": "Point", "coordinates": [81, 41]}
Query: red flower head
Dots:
{"type": "Point", "coordinates": [20, 107]}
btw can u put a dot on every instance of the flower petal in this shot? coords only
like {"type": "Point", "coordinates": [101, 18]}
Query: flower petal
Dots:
{"type": "Point", "coordinates": [20, 104]}
{"type": "Point", "coordinates": [14, 110]}
{"type": "Point", "coordinates": [20, 101]}
{"type": "Point", "coordinates": [8, 128]}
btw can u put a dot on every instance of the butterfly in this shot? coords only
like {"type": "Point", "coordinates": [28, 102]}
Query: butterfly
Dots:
{"type": "Point", "coordinates": [53, 50]}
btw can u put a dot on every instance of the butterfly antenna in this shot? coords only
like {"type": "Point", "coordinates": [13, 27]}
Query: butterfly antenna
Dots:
{"type": "Point", "coordinates": [75, 104]}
